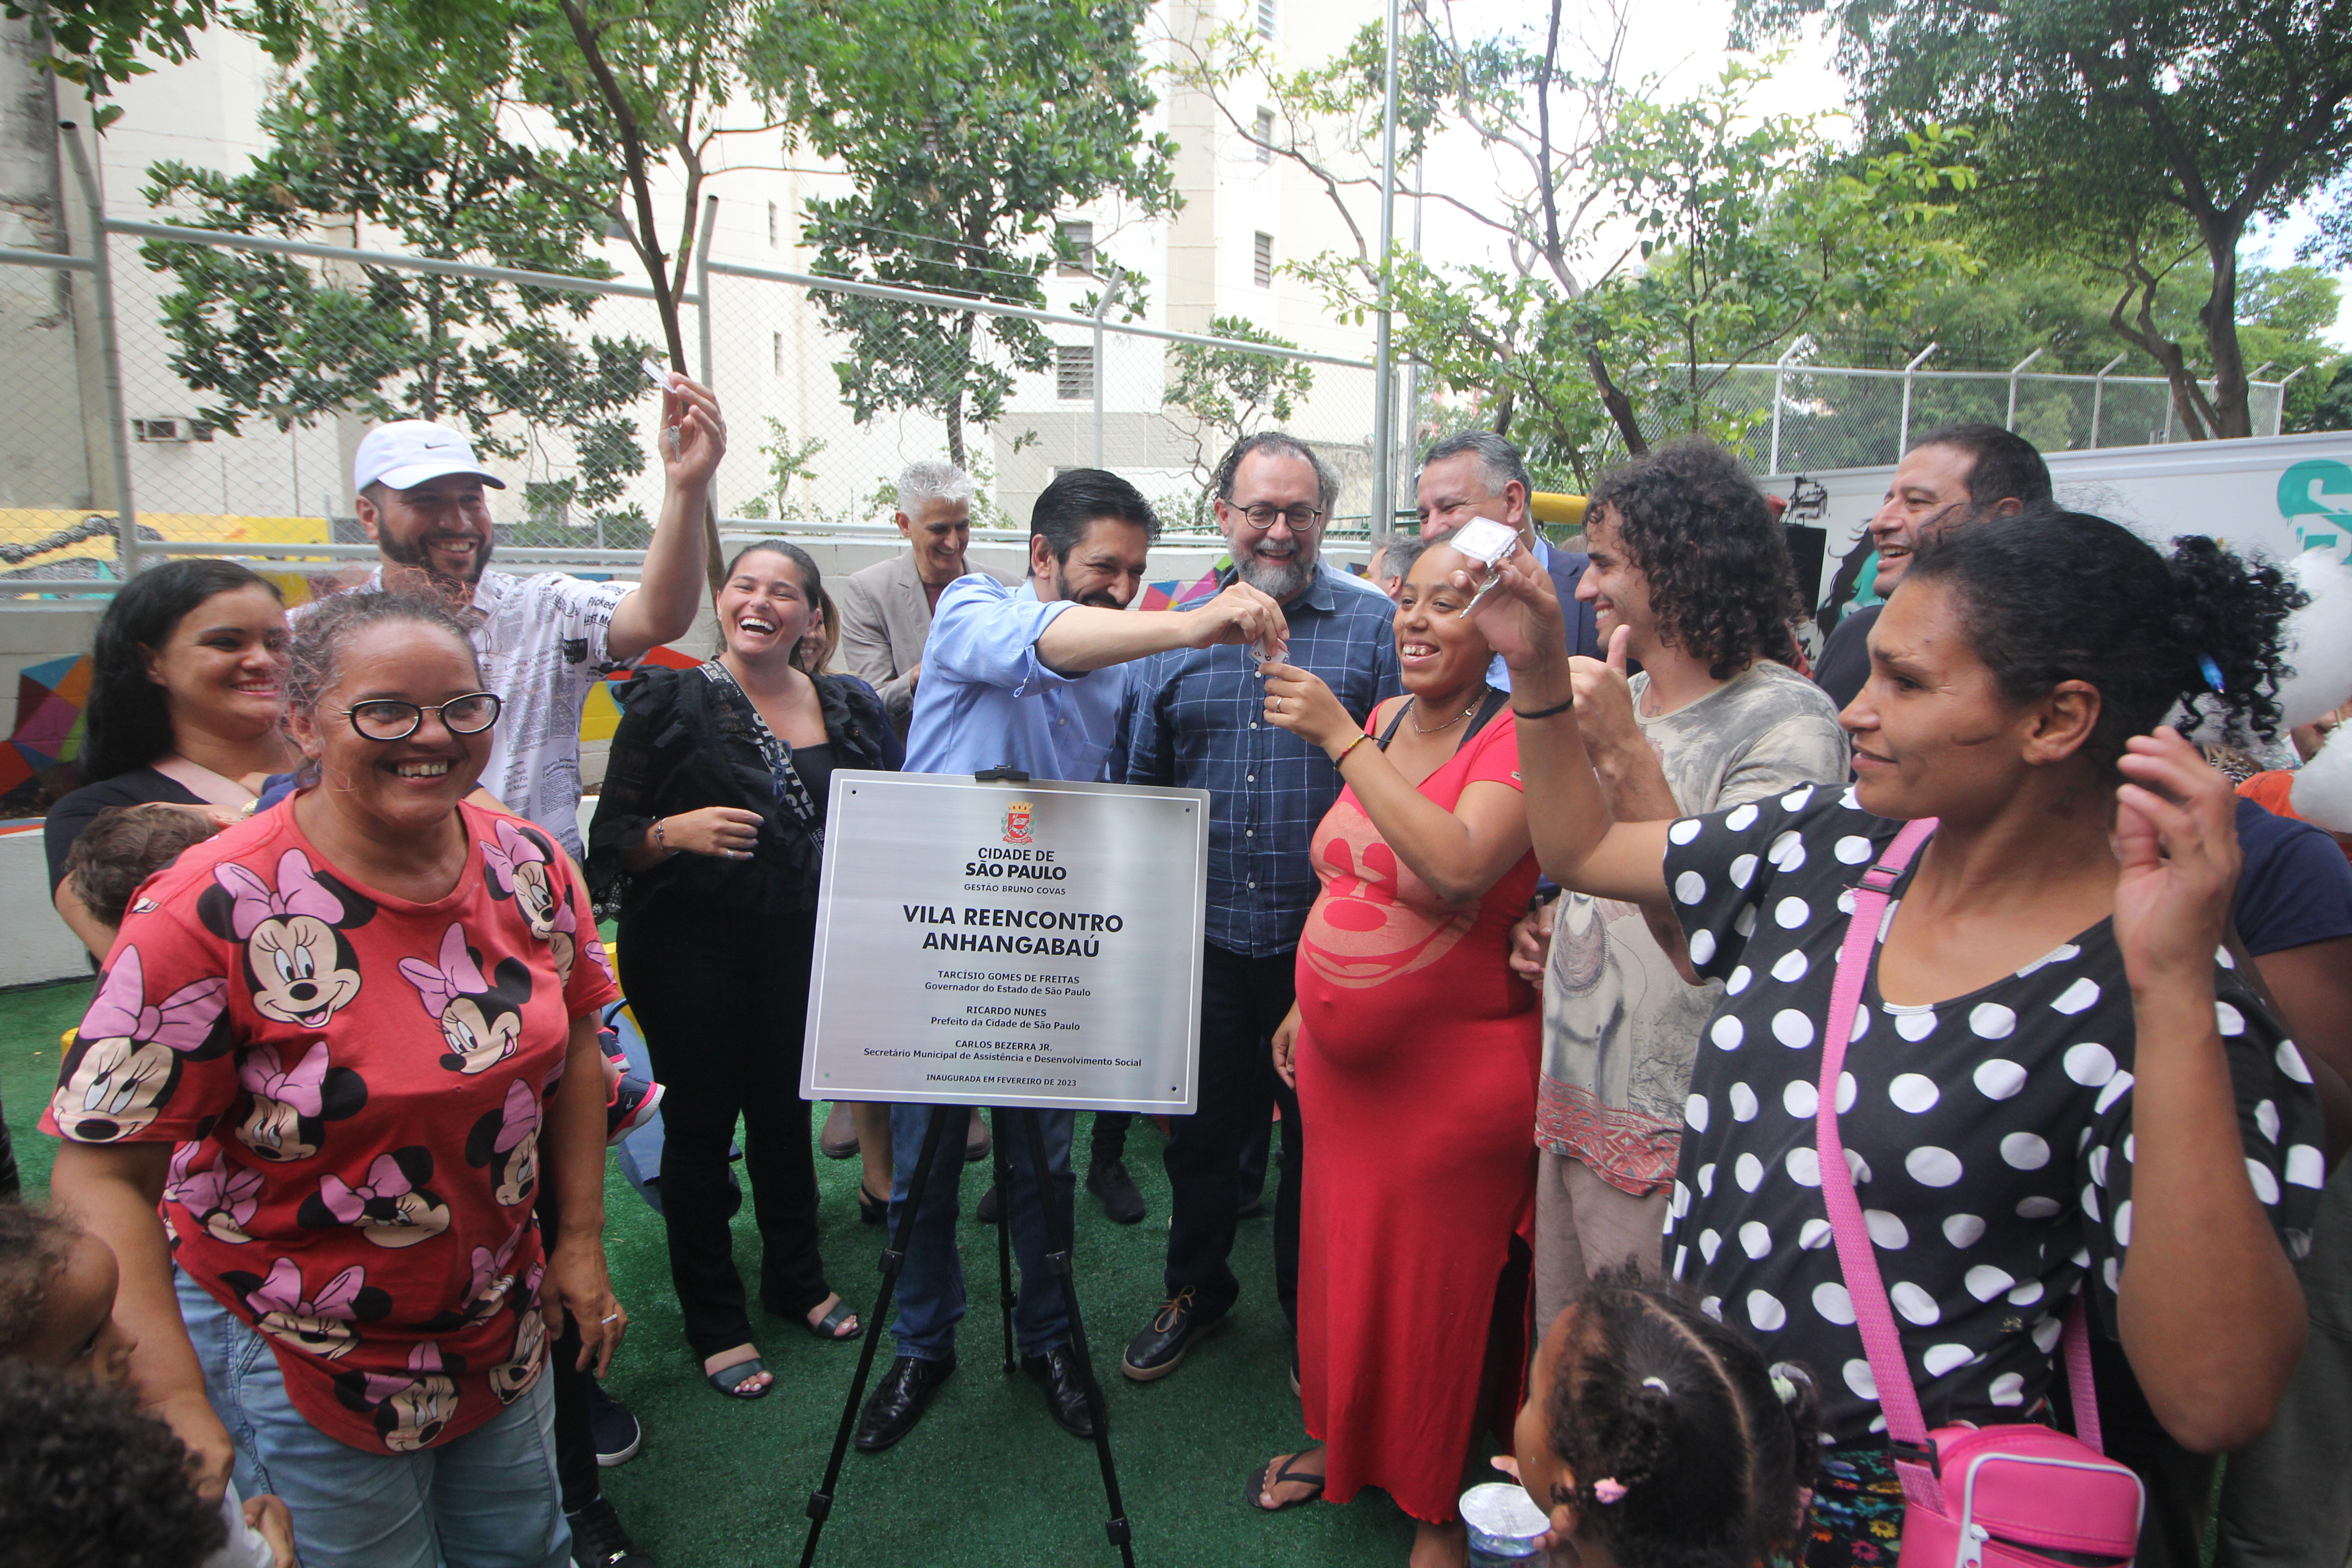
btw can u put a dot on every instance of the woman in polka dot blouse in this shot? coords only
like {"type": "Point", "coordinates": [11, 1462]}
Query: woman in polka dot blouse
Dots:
{"type": "Point", "coordinates": [2058, 1080]}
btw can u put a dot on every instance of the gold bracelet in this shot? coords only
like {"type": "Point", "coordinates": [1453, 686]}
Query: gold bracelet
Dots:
{"type": "Point", "coordinates": [1350, 746]}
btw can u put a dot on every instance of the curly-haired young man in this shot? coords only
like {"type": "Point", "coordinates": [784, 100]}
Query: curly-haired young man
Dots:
{"type": "Point", "coordinates": [1690, 575]}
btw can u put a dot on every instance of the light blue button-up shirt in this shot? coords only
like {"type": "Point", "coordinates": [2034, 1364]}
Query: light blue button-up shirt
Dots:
{"type": "Point", "coordinates": [987, 700]}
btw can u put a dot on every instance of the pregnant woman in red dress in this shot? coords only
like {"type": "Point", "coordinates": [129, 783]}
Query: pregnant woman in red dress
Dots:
{"type": "Point", "coordinates": [1414, 1050]}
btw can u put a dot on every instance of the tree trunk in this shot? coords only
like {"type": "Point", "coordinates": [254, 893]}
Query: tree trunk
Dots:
{"type": "Point", "coordinates": [954, 410]}
{"type": "Point", "coordinates": [2232, 412]}
{"type": "Point", "coordinates": [1620, 406]}
{"type": "Point", "coordinates": [2188, 404]}
{"type": "Point", "coordinates": [648, 246]}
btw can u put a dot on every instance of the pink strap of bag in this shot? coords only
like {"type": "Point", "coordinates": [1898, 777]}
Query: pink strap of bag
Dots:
{"type": "Point", "coordinates": [2001, 1495]}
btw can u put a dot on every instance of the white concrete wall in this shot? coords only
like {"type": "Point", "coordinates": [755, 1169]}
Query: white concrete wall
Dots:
{"type": "Point", "coordinates": [38, 947]}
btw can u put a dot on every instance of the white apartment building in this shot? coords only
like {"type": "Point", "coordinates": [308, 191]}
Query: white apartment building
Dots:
{"type": "Point", "coordinates": [1245, 213]}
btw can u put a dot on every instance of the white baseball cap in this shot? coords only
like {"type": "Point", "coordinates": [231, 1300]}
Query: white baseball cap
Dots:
{"type": "Point", "coordinates": [410, 452]}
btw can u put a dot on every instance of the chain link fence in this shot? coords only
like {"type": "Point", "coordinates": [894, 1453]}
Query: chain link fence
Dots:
{"type": "Point", "coordinates": [1807, 419]}
{"type": "Point", "coordinates": [228, 380]}
{"type": "Point", "coordinates": [251, 368]}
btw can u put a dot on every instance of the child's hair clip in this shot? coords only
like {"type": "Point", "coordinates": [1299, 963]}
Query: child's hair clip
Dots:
{"type": "Point", "coordinates": [1659, 1384]}
{"type": "Point", "coordinates": [1608, 1490]}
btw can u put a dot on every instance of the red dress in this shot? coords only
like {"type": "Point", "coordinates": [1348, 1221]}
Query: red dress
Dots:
{"type": "Point", "coordinates": [1417, 1060]}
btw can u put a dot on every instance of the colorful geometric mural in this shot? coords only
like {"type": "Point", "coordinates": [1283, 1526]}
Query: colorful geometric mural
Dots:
{"type": "Point", "coordinates": [50, 698]}
{"type": "Point", "coordinates": [601, 714]}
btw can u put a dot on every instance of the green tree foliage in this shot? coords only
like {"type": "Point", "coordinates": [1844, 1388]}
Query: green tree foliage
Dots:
{"type": "Point", "coordinates": [787, 460]}
{"type": "Point", "coordinates": [964, 129]}
{"type": "Point", "coordinates": [1227, 393]}
{"type": "Point", "coordinates": [395, 129]}
{"type": "Point", "coordinates": [2122, 133]}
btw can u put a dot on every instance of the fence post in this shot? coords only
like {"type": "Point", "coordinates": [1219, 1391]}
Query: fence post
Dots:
{"type": "Point", "coordinates": [1102, 309]}
{"type": "Point", "coordinates": [2099, 397]}
{"type": "Point", "coordinates": [2278, 414]}
{"type": "Point", "coordinates": [2011, 424]}
{"type": "Point", "coordinates": [1383, 395]}
{"type": "Point", "coordinates": [1903, 435]}
{"type": "Point", "coordinates": [702, 288]}
{"type": "Point", "coordinates": [101, 277]}
{"type": "Point", "coordinates": [1779, 385]}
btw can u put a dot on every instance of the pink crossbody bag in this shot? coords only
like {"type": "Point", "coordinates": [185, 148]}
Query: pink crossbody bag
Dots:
{"type": "Point", "coordinates": [2001, 1497]}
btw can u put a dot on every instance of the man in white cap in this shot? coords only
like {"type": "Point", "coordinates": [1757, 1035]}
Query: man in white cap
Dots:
{"type": "Point", "coordinates": [544, 640]}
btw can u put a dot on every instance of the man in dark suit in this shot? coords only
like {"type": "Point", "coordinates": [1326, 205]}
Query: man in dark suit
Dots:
{"type": "Point", "coordinates": [1480, 474]}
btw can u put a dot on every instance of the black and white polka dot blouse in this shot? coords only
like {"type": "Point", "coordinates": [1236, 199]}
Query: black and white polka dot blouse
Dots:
{"type": "Point", "coordinates": [1990, 1135]}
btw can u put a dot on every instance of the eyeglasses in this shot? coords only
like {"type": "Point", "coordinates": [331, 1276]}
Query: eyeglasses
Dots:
{"type": "Point", "coordinates": [1261, 516]}
{"type": "Point", "coordinates": [382, 719]}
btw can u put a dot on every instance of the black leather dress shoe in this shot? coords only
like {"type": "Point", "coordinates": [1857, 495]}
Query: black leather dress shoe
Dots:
{"type": "Point", "coordinates": [898, 1404]}
{"type": "Point", "coordinates": [1056, 1372]}
{"type": "Point", "coordinates": [1116, 1190]}
{"type": "Point", "coordinates": [1159, 1349]}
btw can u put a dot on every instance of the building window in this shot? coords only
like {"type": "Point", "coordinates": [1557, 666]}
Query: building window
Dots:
{"type": "Point", "coordinates": [1262, 264]}
{"type": "Point", "coordinates": [780, 352]}
{"type": "Point", "coordinates": [1266, 19]}
{"type": "Point", "coordinates": [1078, 242]}
{"type": "Point", "coordinates": [771, 225]}
{"type": "Point", "coordinates": [1074, 372]}
{"type": "Point", "coordinates": [1266, 135]}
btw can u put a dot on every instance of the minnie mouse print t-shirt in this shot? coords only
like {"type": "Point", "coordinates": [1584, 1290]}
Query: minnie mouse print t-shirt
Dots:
{"type": "Point", "coordinates": [357, 1083]}
{"type": "Point", "coordinates": [1990, 1135]}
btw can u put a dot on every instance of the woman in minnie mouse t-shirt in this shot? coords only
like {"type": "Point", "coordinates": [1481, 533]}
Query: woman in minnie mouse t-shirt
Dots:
{"type": "Point", "coordinates": [2057, 1082]}
{"type": "Point", "coordinates": [351, 1014]}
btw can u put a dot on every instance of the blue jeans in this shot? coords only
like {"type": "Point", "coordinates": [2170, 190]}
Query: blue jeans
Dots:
{"type": "Point", "coordinates": [488, 1499]}
{"type": "Point", "coordinates": [931, 1286]}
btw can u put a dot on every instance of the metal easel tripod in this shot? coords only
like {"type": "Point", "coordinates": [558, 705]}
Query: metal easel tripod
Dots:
{"type": "Point", "coordinates": [1023, 1120]}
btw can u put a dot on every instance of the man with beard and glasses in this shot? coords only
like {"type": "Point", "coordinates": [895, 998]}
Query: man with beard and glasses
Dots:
{"type": "Point", "coordinates": [544, 640]}
{"type": "Point", "coordinates": [1194, 718]}
{"type": "Point", "coordinates": [1030, 678]}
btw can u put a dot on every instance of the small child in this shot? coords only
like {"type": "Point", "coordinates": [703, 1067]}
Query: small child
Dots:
{"type": "Point", "coordinates": [89, 1481]}
{"type": "Point", "coordinates": [125, 844]}
{"type": "Point", "coordinates": [1656, 1438]}
{"type": "Point", "coordinates": [57, 1314]}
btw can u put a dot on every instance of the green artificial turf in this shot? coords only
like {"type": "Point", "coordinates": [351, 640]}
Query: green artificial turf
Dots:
{"type": "Point", "coordinates": [987, 1480]}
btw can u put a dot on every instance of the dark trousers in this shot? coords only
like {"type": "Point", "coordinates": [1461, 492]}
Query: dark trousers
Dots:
{"type": "Point", "coordinates": [1108, 1146]}
{"type": "Point", "coordinates": [723, 1001]}
{"type": "Point", "coordinates": [575, 1441]}
{"type": "Point", "coordinates": [1241, 1002]}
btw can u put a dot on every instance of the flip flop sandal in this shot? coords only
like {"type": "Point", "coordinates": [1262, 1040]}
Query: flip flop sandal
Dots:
{"type": "Point", "coordinates": [828, 1327]}
{"type": "Point", "coordinates": [1267, 1477]}
{"type": "Point", "coordinates": [730, 1380]}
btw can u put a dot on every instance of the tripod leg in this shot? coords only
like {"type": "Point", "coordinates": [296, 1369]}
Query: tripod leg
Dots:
{"type": "Point", "coordinates": [1057, 1260]}
{"type": "Point", "coordinates": [894, 1257]}
{"type": "Point", "coordinates": [1004, 1232]}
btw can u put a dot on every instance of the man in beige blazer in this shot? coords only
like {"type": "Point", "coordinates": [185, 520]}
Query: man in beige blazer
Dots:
{"type": "Point", "coordinates": [885, 609]}
{"type": "Point", "coordinates": [886, 618]}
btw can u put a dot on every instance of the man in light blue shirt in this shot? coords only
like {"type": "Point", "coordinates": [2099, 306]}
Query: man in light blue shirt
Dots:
{"type": "Point", "coordinates": [1029, 677]}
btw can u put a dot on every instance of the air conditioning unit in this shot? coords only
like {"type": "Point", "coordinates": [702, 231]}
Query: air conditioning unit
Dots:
{"type": "Point", "coordinates": [172, 428]}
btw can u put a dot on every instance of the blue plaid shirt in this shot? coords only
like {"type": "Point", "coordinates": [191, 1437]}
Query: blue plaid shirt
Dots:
{"type": "Point", "coordinates": [1194, 719]}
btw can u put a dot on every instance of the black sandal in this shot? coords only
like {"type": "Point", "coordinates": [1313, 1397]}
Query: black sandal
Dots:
{"type": "Point", "coordinates": [828, 1327]}
{"type": "Point", "coordinates": [1267, 1477]}
{"type": "Point", "coordinates": [871, 1209]}
{"type": "Point", "coordinates": [729, 1379]}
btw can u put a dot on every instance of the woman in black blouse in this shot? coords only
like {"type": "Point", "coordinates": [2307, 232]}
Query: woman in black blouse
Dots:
{"type": "Point", "coordinates": [185, 708]}
{"type": "Point", "coordinates": [712, 827]}
{"type": "Point", "coordinates": [2057, 1081]}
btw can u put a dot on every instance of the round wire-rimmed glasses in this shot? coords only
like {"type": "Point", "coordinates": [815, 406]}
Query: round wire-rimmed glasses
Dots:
{"type": "Point", "coordinates": [388, 719]}
{"type": "Point", "coordinates": [1261, 516]}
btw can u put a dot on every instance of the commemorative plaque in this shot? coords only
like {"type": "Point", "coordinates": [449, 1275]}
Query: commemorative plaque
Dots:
{"type": "Point", "coordinates": [1015, 944]}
